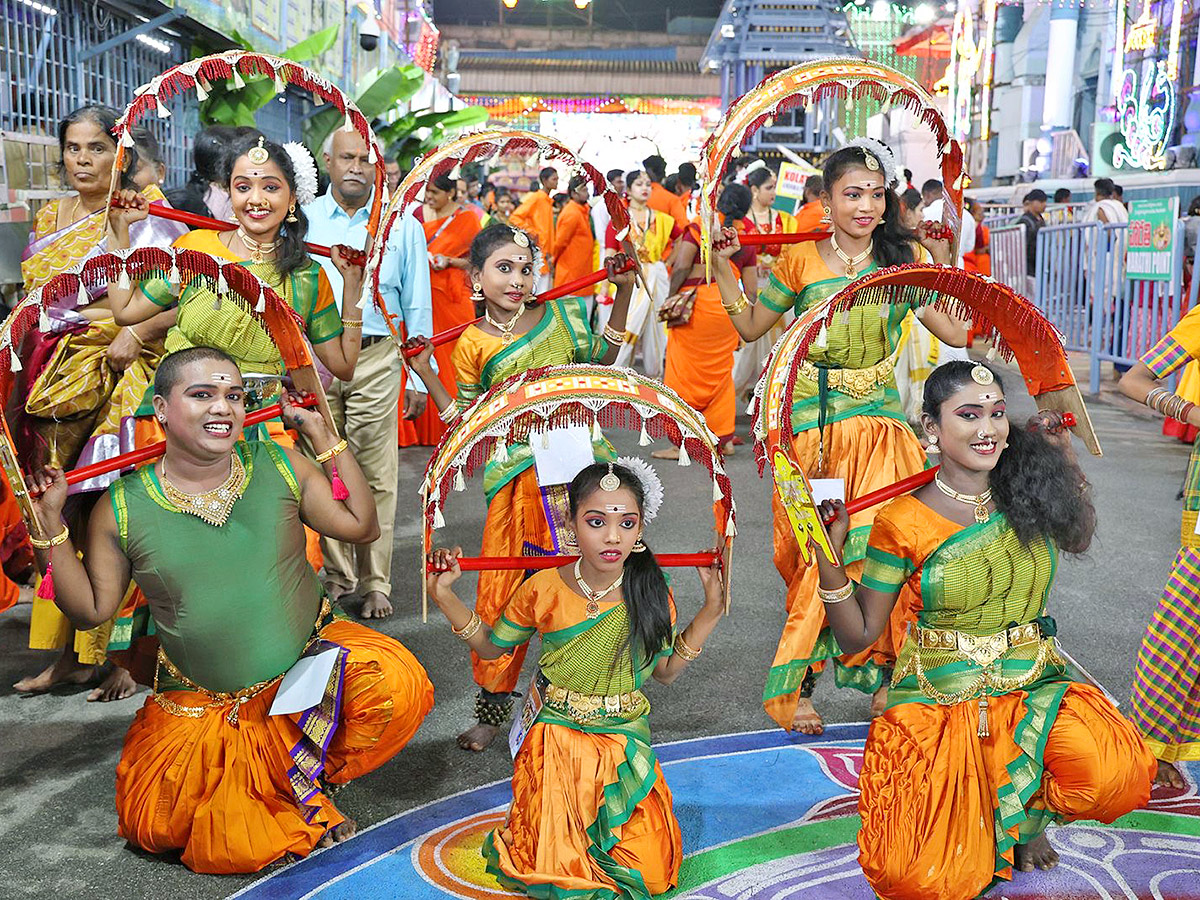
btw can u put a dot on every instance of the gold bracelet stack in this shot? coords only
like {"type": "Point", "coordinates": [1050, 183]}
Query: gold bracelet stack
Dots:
{"type": "Point", "coordinates": [738, 306]}
{"type": "Point", "coordinates": [469, 630]}
{"type": "Point", "coordinates": [683, 650]}
{"type": "Point", "coordinates": [837, 595]}
{"type": "Point", "coordinates": [614, 337]}
{"type": "Point", "coordinates": [450, 413]}
{"type": "Point", "coordinates": [1170, 405]}
{"type": "Point", "coordinates": [332, 451]}
{"type": "Point", "coordinates": [47, 543]}
{"type": "Point", "coordinates": [352, 323]}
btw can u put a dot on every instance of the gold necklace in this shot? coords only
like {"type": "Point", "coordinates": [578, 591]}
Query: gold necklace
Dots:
{"type": "Point", "coordinates": [212, 506]}
{"type": "Point", "coordinates": [505, 329]}
{"type": "Point", "coordinates": [851, 262]}
{"type": "Point", "coordinates": [593, 596]}
{"type": "Point", "coordinates": [979, 501]}
{"type": "Point", "coordinates": [257, 248]}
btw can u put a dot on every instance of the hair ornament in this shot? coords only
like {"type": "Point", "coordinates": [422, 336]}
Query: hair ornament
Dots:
{"type": "Point", "coordinates": [877, 155]}
{"type": "Point", "coordinates": [744, 176]}
{"type": "Point", "coordinates": [652, 487]}
{"type": "Point", "coordinates": [610, 482]}
{"type": "Point", "coordinates": [306, 172]}
{"type": "Point", "coordinates": [520, 238]}
{"type": "Point", "coordinates": [981, 374]}
{"type": "Point", "coordinates": [258, 155]}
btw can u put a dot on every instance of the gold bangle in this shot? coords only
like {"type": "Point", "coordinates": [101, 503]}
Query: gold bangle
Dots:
{"type": "Point", "coordinates": [352, 323]}
{"type": "Point", "coordinates": [470, 629]}
{"type": "Point", "coordinates": [450, 413]}
{"type": "Point", "coordinates": [837, 595]}
{"type": "Point", "coordinates": [684, 650]}
{"type": "Point", "coordinates": [613, 336]}
{"type": "Point", "coordinates": [738, 306]}
{"type": "Point", "coordinates": [47, 543]}
{"type": "Point", "coordinates": [137, 337]}
{"type": "Point", "coordinates": [332, 451]}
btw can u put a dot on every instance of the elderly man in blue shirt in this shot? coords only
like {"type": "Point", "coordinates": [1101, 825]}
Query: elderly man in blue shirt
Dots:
{"type": "Point", "coordinates": [366, 406]}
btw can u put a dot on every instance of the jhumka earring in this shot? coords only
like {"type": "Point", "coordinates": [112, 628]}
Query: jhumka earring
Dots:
{"type": "Point", "coordinates": [638, 546]}
{"type": "Point", "coordinates": [828, 217]}
{"type": "Point", "coordinates": [570, 541]}
{"type": "Point", "coordinates": [291, 216]}
{"type": "Point", "coordinates": [477, 292]}
{"type": "Point", "coordinates": [933, 449]}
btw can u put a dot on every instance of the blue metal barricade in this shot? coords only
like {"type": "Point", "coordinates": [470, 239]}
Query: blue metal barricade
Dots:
{"type": "Point", "coordinates": [1129, 315]}
{"type": "Point", "coordinates": [1064, 263]}
{"type": "Point", "coordinates": [1008, 256]}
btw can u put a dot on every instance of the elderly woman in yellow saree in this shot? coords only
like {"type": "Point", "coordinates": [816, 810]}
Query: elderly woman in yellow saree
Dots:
{"type": "Point", "coordinates": [82, 377]}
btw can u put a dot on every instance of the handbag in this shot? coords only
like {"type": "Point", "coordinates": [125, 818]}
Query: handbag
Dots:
{"type": "Point", "coordinates": [677, 309]}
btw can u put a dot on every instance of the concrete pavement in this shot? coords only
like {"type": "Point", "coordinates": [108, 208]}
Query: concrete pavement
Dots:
{"type": "Point", "coordinates": [57, 819]}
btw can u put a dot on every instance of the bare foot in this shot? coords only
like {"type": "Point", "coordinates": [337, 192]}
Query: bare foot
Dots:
{"type": "Point", "coordinates": [1169, 775]}
{"type": "Point", "coordinates": [339, 833]}
{"type": "Point", "coordinates": [375, 606]}
{"type": "Point", "coordinates": [65, 670]}
{"type": "Point", "coordinates": [1036, 854]}
{"type": "Point", "coordinates": [669, 453]}
{"type": "Point", "coordinates": [726, 449]}
{"type": "Point", "coordinates": [478, 737]}
{"type": "Point", "coordinates": [806, 720]}
{"type": "Point", "coordinates": [336, 591]}
{"type": "Point", "coordinates": [117, 685]}
{"type": "Point", "coordinates": [879, 700]}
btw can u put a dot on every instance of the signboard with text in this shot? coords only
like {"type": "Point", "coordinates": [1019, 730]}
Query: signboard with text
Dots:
{"type": "Point", "coordinates": [1151, 239]}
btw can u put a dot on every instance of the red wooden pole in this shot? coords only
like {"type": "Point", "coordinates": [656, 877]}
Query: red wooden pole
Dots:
{"type": "Point", "coordinates": [498, 563]}
{"type": "Point", "coordinates": [563, 290]}
{"type": "Point", "coordinates": [358, 257]}
{"type": "Point", "coordinates": [154, 451]}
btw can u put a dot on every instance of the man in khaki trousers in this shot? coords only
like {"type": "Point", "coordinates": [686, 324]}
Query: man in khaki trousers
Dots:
{"type": "Point", "coordinates": [366, 406]}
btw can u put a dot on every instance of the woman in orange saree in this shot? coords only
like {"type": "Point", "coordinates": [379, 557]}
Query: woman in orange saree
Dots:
{"type": "Point", "coordinates": [81, 379]}
{"type": "Point", "coordinates": [990, 734]}
{"type": "Point", "coordinates": [591, 815]}
{"type": "Point", "coordinates": [449, 230]}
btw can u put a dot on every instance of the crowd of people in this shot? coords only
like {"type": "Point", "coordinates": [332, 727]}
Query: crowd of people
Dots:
{"type": "Point", "coordinates": [238, 550]}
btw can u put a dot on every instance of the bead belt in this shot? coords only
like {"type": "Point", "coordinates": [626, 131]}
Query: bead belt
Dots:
{"type": "Point", "coordinates": [857, 383]}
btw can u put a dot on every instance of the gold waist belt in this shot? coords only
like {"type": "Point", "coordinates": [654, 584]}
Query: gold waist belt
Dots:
{"type": "Point", "coordinates": [984, 651]}
{"type": "Point", "coordinates": [585, 707]}
{"type": "Point", "coordinates": [857, 383]}
{"type": "Point", "coordinates": [216, 699]}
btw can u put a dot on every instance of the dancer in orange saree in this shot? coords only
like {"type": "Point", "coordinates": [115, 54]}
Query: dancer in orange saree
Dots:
{"type": "Point", "coordinates": [208, 771]}
{"type": "Point", "coordinates": [82, 375]}
{"type": "Point", "coordinates": [591, 814]}
{"type": "Point", "coordinates": [514, 338]}
{"type": "Point", "coordinates": [449, 230]}
{"type": "Point", "coordinates": [846, 411]}
{"type": "Point", "coordinates": [988, 736]}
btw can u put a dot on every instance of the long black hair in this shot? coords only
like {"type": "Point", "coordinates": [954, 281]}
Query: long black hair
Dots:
{"type": "Point", "coordinates": [644, 585]}
{"type": "Point", "coordinates": [106, 118]}
{"type": "Point", "coordinates": [734, 203]}
{"type": "Point", "coordinates": [893, 243]}
{"type": "Point", "coordinates": [1035, 484]}
{"type": "Point", "coordinates": [210, 147]}
{"type": "Point", "coordinates": [291, 255]}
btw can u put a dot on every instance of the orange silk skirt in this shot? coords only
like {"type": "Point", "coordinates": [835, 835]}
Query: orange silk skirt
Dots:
{"type": "Point", "coordinates": [515, 516]}
{"type": "Point", "coordinates": [558, 786]}
{"type": "Point", "coordinates": [929, 788]}
{"type": "Point", "coordinates": [700, 361]}
{"type": "Point", "coordinates": [219, 793]}
{"type": "Point", "coordinates": [869, 452]}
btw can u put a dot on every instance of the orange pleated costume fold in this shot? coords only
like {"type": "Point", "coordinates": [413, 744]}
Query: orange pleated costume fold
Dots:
{"type": "Point", "coordinates": [219, 793]}
{"type": "Point", "coordinates": [929, 786]}
{"type": "Point", "coordinates": [700, 361]}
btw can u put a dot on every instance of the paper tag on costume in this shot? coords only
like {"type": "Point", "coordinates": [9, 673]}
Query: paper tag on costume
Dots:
{"type": "Point", "coordinates": [827, 489]}
{"type": "Point", "coordinates": [303, 686]}
{"type": "Point", "coordinates": [1196, 530]}
{"type": "Point", "coordinates": [561, 453]}
{"type": "Point", "coordinates": [522, 723]}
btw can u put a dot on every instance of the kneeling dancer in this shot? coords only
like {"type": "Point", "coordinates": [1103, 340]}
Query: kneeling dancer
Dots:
{"type": "Point", "coordinates": [213, 535]}
{"type": "Point", "coordinates": [591, 814]}
{"type": "Point", "coordinates": [986, 738]}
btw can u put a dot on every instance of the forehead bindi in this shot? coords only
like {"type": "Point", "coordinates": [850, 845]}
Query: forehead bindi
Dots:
{"type": "Point", "coordinates": [245, 169]}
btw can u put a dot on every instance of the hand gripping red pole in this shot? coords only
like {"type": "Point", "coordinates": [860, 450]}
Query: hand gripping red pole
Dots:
{"type": "Point", "coordinates": [154, 451]}
{"type": "Point", "coordinates": [497, 563]}
{"type": "Point", "coordinates": [563, 290]}
{"type": "Point", "coordinates": [356, 257]}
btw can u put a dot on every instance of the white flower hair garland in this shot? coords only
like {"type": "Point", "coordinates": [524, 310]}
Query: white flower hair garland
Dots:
{"type": "Point", "coordinates": [306, 172]}
{"type": "Point", "coordinates": [652, 488]}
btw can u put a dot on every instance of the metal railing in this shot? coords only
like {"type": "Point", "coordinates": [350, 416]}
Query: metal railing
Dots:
{"type": "Point", "coordinates": [1064, 259]}
{"type": "Point", "coordinates": [1007, 245]}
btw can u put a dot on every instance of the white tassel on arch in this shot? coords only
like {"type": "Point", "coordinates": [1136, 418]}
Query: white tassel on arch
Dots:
{"type": "Point", "coordinates": [347, 125]}
{"type": "Point", "coordinates": [280, 84]}
{"type": "Point", "coordinates": [822, 340]}
{"type": "Point", "coordinates": [597, 434]}
{"type": "Point", "coordinates": [222, 284]}
{"type": "Point", "coordinates": [716, 492]}
{"type": "Point", "coordinates": [82, 297]}
{"type": "Point", "coordinates": [684, 459]}
{"type": "Point", "coordinates": [460, 483]}
{"type": "Point", "coordinates": [14, 361]}
{"type": "Point", "coordinates": [201, 89]}
{"type": "Point", "coordinates": [44, 325]}
{"type": "Point", "coordinates": [439, 521]}
{"type": "Point", "coordinates": [238, 81]}
{"type": "Point", "coordinates": [123, 283]}
{"type": "Point", "coordinates": [260, 305]}
{"type": "Point", "coordinates": [163, 112]}
{"type": "Point", "coordinates": [371, 160]}
{"type": "Point", "coordinates": [644, 439]}
{"type": "Point", "coordinates": [500, 454]}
